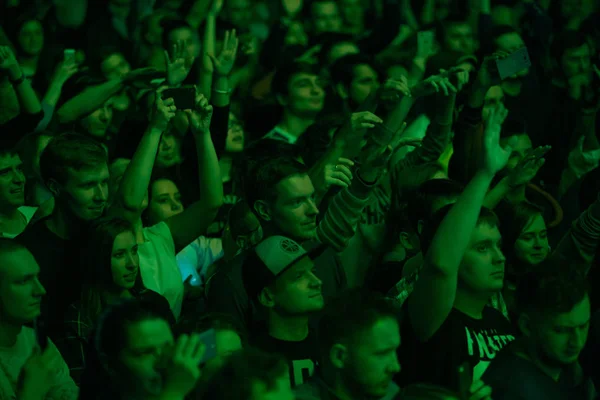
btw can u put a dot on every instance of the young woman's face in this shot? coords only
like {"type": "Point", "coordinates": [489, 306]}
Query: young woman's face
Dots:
{"type": "Point", "coordinates": [532, 245]}
{"type": "Point", "coordinates": [166, 201]}
{"type": "Point", "coordinates": [235, 136]}
{"type": "Point", "coordinates": [124, 260]}
{"type": "Point", "coordinates": [31, 38]}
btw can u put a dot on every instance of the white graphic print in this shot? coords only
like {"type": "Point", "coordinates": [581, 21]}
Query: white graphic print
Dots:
{"type": "Point", "coordinates": [484, 345]}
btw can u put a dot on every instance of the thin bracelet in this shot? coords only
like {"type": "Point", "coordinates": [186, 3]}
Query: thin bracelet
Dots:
{"type": "Point", "coordinates": [228, 91]}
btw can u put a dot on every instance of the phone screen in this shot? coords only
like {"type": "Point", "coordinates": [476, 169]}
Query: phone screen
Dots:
{"type": "Point", "coordinates": [69, 55]}
{"type": "Point", "coordinates": [514, 63]}
{"type": "Point", "coordinates": [209, 339]}
{"type": "Point", "coordinates": [184, 97]}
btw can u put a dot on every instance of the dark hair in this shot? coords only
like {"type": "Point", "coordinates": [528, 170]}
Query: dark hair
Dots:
{"type": "Point", "coordinates": [70, 151]}
{"type": "Point", "coordinates": [216, 321]}
{"type": "Point", "coordinates": [237, 218]}
{"type": "Point", "coordinates": [96, 257]}
{"type": "Point", "coordinates": [241, 372]}
{"type": "Point", "coordinates": [342, 70]}
{"type": "Point", "coordinates": [285, 72]}
{"type": "Point", "coordinates": [169, 25]}
{"type": "Point", "coordinates": [566, 40]}
{"type": "Point", "coordinates": [27, 148]}
{"type": "Point", "coordinates": [107, 341]}
{"type": "Point", "coordinates": [420, 203]}
{"type": "Point", "coordinates": [329, 41]}
{"type": "Point", "coordinates": [552, 287]}
{"type": "Point", "coordinates": [261, 181]}
{"type": "Point", "coordinates": [443, 26]}
{"type": "Point", "coordinates": [486, 216]}
{"type": "Point", "coordinates": [513, 219]}
{"type": "Point", "coordinates": [159, 174]}
{"type": "Point", "coordinates": [10, 246]}
{"type": "Point", "coordinates": [349, 316]}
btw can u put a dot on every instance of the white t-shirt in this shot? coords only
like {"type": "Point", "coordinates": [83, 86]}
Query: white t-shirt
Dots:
{"type": "Point", "coordinates": [12, 360]}
{"type": "Point", "coordinates": [195, 259]}
{"type": "Point", "coordinates": [158, 265]}
{"type": "Point", "coordinates": [28, 213]}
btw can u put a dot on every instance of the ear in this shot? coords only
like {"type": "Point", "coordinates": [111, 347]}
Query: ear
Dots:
{"type": "Point", "coordinates": [281, 100]}
{"type": "Point", "coordinates": [267, 298]}
{"type": "Point", "coordinates": [263, 210]}
{"type": "Point", "coordinates": [341, 91]}
{"type": "Point", "coordinates": [525, 324]}
{"type": "Point", "coordinates": [53, 187]}
{"type": "Point", "coordinates": [338, 356]}
{"type": "Point", "coordinates": [405, 241]}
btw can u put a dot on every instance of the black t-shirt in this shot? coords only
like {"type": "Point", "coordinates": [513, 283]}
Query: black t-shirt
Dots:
{"type": "Point", "coordinates": [514, 378]}
{"type": "Point", "coordinates": [459, 339]}
{"type": "Point", "coordinates": [301, 356]}
{"type": "Point", "coordinates": [226, 292]}
{"type": "Point", "coordinates": [58, 261]}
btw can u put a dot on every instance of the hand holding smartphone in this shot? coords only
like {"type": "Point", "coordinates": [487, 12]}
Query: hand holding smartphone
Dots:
{"type": "Point", "coordinates": [513, 64]}
{"type": "Point", "coordinates": [69, 56]}
{"type": "Point", "coordinates": [184, 97]}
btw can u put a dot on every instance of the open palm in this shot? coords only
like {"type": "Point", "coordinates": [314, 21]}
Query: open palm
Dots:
{"type": "Point", "coordinates": [495, 157]}
{"type": "Point", "coordinates": [7, 58]}
{"type": "Point", "coordinates": [223, 64]}
{"type": "Point", "coordinates": [178, 67]}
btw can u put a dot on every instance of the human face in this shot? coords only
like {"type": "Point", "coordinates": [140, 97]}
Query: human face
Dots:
{"type": "Point", "coordinates": [12, 182]}
{"type": "Point", "coordinates": [166, 201]}
{"type": "Point", "coordinates": [168, 150]}
{"type": "Point", "coordinates": [563, 336]}
{"type": "Point", "coordinates": [228, 342]}
{"type": "Point", "coordinates": [521, 146]}
{"type": "Point", "coordinates": [296, 34]}
{"type": "Point", "coordinates": [86, 192]}
{"type": "Point", "coordinates": [509, 43]}
{"type": "Point", "coordinates": [353, 12]}
{"type": "Point", "coordinates": [96, 124]}
{"type": "Point", "coordinates": [115, 66]}
{"type": "Point", "coordinates": [326, 17]}
{"type": "Point", "coordinates": [577, 61]}
{"type": "Point", "coordinates": [373, 360]}
{"type": "Point", "coordinates": [305, 95]}
{"type": "Point", "coordinates": [459, 37]}
{"type": "Point", "coordinates": [138, 369]}
{"type": "Point", "coordinates": [31, 38]}
{"type": "Point", "coordinates": [342, 49]}
{"type": "Point", "coordinates": [239, 12]}
{"type": "Point", "coordinates": [281, 390]}
{"type": "Point", "coordinates": [532, 245]}
{"type": "Point", "coordinates": [482, 266]}
{"type": "Point", "coordinates": [20, 289]}
{"type": "Point", "coordinates": [298, 290]}
{"type": "Point", "coordinates": [124, 261]}
{"type": "Point", "coordinates": [295, 211]}
{"type": "Point", "coordinates": [190, 40]}
{"type": "Point", "coordinates": [365, 80]}
{"type": "Point", "coordinates": [235, 135]}
{"type": "Point", "coordinates": [493, 98]}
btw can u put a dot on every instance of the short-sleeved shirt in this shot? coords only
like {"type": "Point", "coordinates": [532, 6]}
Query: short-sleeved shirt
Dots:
{"type": "Point", "coordinates": [196, 257]}
{"type": "Point", "coordinates": [28, 213]}
{"type": "Point", "coordinates": [460, 339]}
{"type": "Point", "coordinates": [158, 265]}
{"type": "Point", "coordinates": [12, 360]}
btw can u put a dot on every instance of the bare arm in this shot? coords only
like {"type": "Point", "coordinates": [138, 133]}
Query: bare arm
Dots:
{"type": "Point", "coordinates": [89, 100]}
{"type": "Point", "coordinates": [25, 93]}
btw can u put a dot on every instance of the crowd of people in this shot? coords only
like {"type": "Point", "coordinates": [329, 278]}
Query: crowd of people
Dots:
{"type": "Point", "coordinates": [299, 199]}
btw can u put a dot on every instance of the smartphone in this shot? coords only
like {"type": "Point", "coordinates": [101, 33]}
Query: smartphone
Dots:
{"type": "Point", "coordinates": [425, 42]}
{"type": "Point", "coordinates": [41, 335]}
{"type": "Point", "coordinates": [465, 380]}
{"type": "Point", "coordinates": [69, 55]}
{"type": "Point", "coordinates": [209, 339]}
{"type": "Point", "coordinates": [184, 97]}
{"type": "Point", "coordinates": [514, 63]}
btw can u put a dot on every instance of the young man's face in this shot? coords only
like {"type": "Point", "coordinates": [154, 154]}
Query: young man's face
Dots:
{"type": "Point", "coordinates": [326, 17]}
{"type": "Point", "coordinates": [20, 290]}
{"type": "Point", "coordinates": [137, 367]}
{"type": "Point", "coordinates": [482, 266]}
{"type": "Point", "coordinates": [124, 260]}
{"type": "Point", "coordinates": [373, 361]}
{"type": "Point", "coordinates": [115, 66]}
{"type": "Point", "coordinates": [12, 182]}
{"type": "Point", "coordinates": [532, 245]}
{"type": "Point", "coordinates": [305, 96]}
{"type": "Point", "coordinates": [96, 124]}
{"type": "Point", "coordinates": [294, 211]}
{"type": "Point", "coordinates": [577, 61]}
{"type": "Point", "coordinates": [365, 80]}
{"type": "Point", "coordinates": [166, 201]}
{"type": "Point", "coordinates": [561, 337]}
{"type": "Point", "coordinates": [298, 290]}
{"type": "Point", "coordinates": [521, 146]}
{"type": "Point", "coordinates": [459, 37]}
{"type": "Point", "coordinates": [85, 192]}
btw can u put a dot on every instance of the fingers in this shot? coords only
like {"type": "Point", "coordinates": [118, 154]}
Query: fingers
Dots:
{"type": "Point", "coordinates": [483, 393]}
{"type": "Point", "coordinates": [342, 172]}
{"type": "Point", "coordinates": [345, 162]}
{"type": "Point", "coordinates": [331, 181]}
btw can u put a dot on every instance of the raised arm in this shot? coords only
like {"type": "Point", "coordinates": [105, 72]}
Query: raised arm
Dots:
{"type": "Point", "coordinates": [194, 221]}
{"type": "Point", "coordinates": [27, 97]}
{"type": "Point", "coordinates": [433, 297]}
{"type": "Point", "coordinates": [88, 100]}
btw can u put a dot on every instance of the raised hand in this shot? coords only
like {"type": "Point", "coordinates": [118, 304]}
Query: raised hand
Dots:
{"type": "Point", "coordinates": [581, 161]}
{"type": "Point", "coordinates": [364, 120]}
{"type": "Point", "coordinates": [528, 167]}
{"type": "Point", "coordinates": [200, 116]}
{"type": "Point", "coordinates": [64, 71]}
{"type": "Point", "coordinates": [487, 76]}
{"type": "Point", "coordinates": [223, 64]}
{"type": "Point", "coordinates": [162, 112]}
{"type": "Point", "coordinates": [9, 63]}
{"type": "Point", "coordinates": [182, 367]}
{"type": "Point", "coordinates": [179, 66]}
{"type": "Point", "coordinates": [393, 90]}
{"type": "Point", "coordinates": [434, 84]}
{"type": "Point", "coordinates": [495, 156]}
{"type": "Point", "coordinates": [339, 174]}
